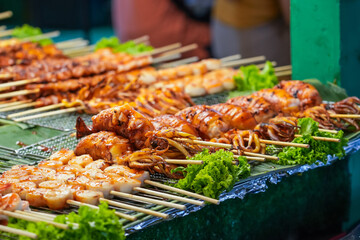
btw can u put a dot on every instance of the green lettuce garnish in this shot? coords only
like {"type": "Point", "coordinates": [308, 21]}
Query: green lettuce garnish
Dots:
{"type": "Point", "coordinates": [215, 175]}
{"type": "Point", "coordinates": [100, 224]}
{"type": "Point", "coordinates": [250, 78]}
{"type": "Point", "coordinates": [26, 31]}
{"type": "Point", "coordinates": [319, 150]}
{"type": "Point", "coordinates": [128, 47]}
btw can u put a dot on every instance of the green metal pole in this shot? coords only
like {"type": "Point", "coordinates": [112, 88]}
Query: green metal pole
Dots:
{"type": "Point", "coordinates": [315, 39]}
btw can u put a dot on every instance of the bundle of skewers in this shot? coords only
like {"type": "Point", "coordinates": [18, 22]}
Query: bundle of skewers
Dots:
{"type": "Point", "coordinates": [111, 88]}
{"type": "Point", "coordinates": [125, 143]}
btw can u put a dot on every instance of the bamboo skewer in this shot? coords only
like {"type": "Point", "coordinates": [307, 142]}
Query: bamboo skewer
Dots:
{"type": "Point", "coordinates": [230, 58]}
{"type": "Point", "coordinates": [2, 27]}
{"type": "Point", "coordinates": [165, 58]}
{"type": "Point", "coordinates": [261, 155]}
{"type": "Point", "coordinates": [18, 83]}
{"type": "Point", "coordinates": [18, 93]}
{"type": "Point", "coordinates": [19, 106]}
{"type": "Point", "coordinates": [141, 39]}
{"type": "Point", "coordinates": [31, 214]}
{"type": "Point", "coordinates": [160, 50]}
{"type": "Point", "coordinates": [18, 232]}
{"type": "Point", "coordinates": [180, 50]}
{"type": "Point", "coordinates": [183, 161]}
{"type": "Point", "coordinates": [326, 139]}
{"type": "Point", "coordinates": [10, 104]}
{"type": "Point", "coordinates": [5, 76]}
{"type": "Point", "coordinates": [52, 113]}
{"type": "Point", "coordinates": [76, 42]}
{"type": "Point", "coordinates": [169, 196]}
{"type": "Point", "coordinates": [48, 215]}
{"type": "Point", "coordinates": [32, 219]}
{"type": "Point", "coordinates": [262, 65]}
{"type": "Point", "coordinates": [41, 36]}
{"type": "Point", "coordinates": [119, 214]}
{"type": "Point", "coordinates": [244, 61]}
{"type": "Point", "coordinates": [260, 159]}
{"type": "Point", "coordinates": [181, 191]}
{"type": "Point", "coordinates": [179, 62]}
{"type": "Point", "coordinates": [328, 130]}
{"type": "Point", "coordinates": [40, 109]}
{"type": "Point", "coordinates": [149, 200]}
{"type": "Point", "coordinates": [345, 115]}
{"type": "Point", "coordinates": [6, 33]}
{"type": "Point", "coordinates": [283, 73]}
{"type": "Point", "coordinates": [230, 146]}
{"type": "Point", "coordinates": [6, 14]}
{"type": "Point", "coordinates": [283, 68]}
{"type": "Point", "coordinates": [134, 208]}
{"type": "Point", "coordinates": [85, 49]}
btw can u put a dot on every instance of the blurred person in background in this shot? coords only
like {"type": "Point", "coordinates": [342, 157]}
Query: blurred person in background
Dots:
{"type": "Point", "coordinates": [252, 28]}
{"type": "Point", "coordinates": [165, 21]}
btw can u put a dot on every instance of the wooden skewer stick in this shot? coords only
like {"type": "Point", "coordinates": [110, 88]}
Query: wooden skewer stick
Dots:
{"type": "Point", "coordinates": [48, 114]}
{"type": "Point", "coordinates": [345, 115]}
{"type": "Point", "coordinates": [179, 62]}
{"type": "Point", "coordinates": [259, 159]}
{"type": "Point", "coordinates": [283, 68]}
{"type": "Point", "coordinates": [328, 130]}
{"type": "Point", "coordinates": [283, 73]}
{"type": "Point", "coordinates": [141, 39]}
{"type": "Point", "coordinates": [160, 50]}
{"type": "Point", "coordinates": [48, 215]}
{"type": "Point", "coordinates": [86, 49]}
{"type": "Point", "coordinates": [181, 191]}
{"type": "Point", "coordinates": [2, 27]}
{"type": "Point", "coordinates": [31, 214]}
{"type": "Point", "coordinates": [6, 14]}
{"type": "Point", "coordinates": [36, 110]}
{"type": "Point", "coordinates": [281, 143]}
{"type": "Point", "coordinates": [244, 61]}
{"type": "Point", "coordinates": [41, 36]}
{"type": "Point", "coordinates": [119, 214]}
{"type": "Point", "coordinates": [134, 208]}
{"type": "Point", "coordinates": [18, 93]}
{"type": "Point", "coordinates": [5, 76]}
{"type": "Point", "coordinates": [18, 83]}
{"type": "Point", "coordinates": [148, 200]}
{"type": "Point", "coordinates": [183, 161]}
{"type": "Point", "coordinates": [10, 104]}
{"type": "Point", "coordinates": [33, 219]}
{"type": "Point", "coordinates": [6, 33]}
{"type": "Point", "coordinates": [169, 196]}
{"type": "Point", "coordinates": [19, 106]}
{"type": "Point", "coordinates": [230, 146]}
{"type": "Point", "coordinates": [230, 58]}
{"type": "Point", "coordinates": [165, 58]}
{"type": "Point", "coordinates": [180, 50]}
{"type": "Point", "coordinates": [77, 42]}
{"type": "Point", "coordinates": [326, 139]}
{"type": "Point", "coordinates": [262, 65]}
{"type": "Point", "coordinates": [261, 155]}
{"type": "Point", "coordinates": [18, 232]}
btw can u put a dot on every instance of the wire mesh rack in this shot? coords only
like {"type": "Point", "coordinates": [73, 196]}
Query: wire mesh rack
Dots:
{"type": "Point", "coordinates": [66, 121]}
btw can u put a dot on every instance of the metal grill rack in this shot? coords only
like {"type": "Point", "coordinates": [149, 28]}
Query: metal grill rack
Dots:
{"type": "Point", "coordinates": [66, 121]}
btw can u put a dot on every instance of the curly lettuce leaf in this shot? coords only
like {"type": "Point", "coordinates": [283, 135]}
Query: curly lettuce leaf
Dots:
{"type": "Point", "coordinates": [100, 224]}
{"type": "Point", "coordinates": [26, 31]}
{"type": "Point", "coordinates": [215, 175]}
{"type": "Point", "coordinates": [251, 78]}
{"type": "Point", "coordinates": [129, 47]}
{"type": "Point", "coordinates": [318, 151]}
